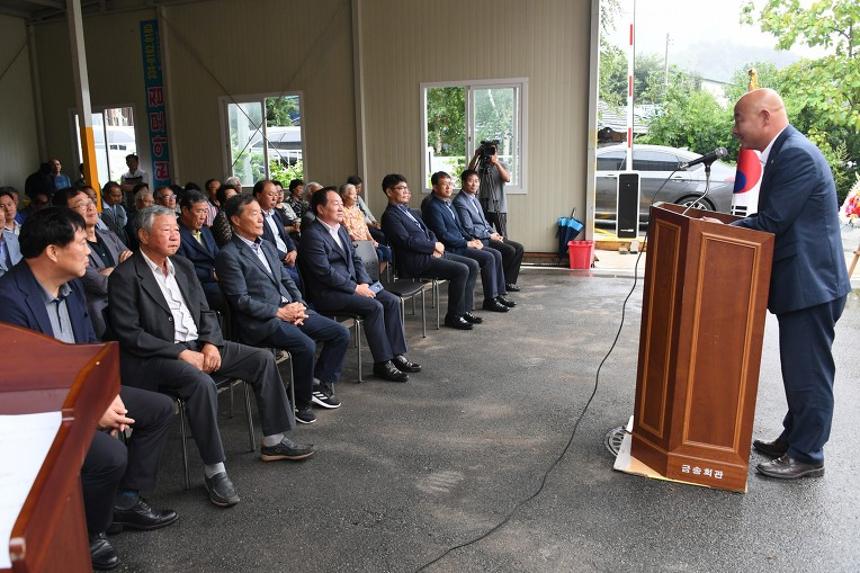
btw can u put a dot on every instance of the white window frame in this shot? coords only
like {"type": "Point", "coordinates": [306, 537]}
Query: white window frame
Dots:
{"type": "Point", "coordinates": [521, 84]}
{"type": "Point", "coordinates": [226, 152]}
{"type": "Point", "coordinates": [140, 134]}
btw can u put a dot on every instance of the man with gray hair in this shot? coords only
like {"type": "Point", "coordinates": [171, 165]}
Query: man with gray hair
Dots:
{"type": "Point", "coordinates": [171, 342]}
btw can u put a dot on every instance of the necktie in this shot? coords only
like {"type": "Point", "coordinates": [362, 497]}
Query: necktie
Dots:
{"type": "Point", "coordinates": [198, 236]}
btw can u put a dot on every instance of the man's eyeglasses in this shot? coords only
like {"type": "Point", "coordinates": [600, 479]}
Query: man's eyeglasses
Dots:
{"type": "Point", "coordinates": [400, 188]}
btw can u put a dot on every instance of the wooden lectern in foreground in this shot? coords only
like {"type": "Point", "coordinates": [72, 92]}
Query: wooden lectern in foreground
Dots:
{"type": "Point", "coordinates": [41, 374]}
{"type": "Point", "coordinates": [703, 317]}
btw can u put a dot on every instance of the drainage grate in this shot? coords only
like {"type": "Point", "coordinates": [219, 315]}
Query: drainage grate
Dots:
{"type": "Point", "coordinates": [613, 440]}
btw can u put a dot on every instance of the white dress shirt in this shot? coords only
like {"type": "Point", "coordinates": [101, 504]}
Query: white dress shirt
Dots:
{"type": "Point", "coordinates": [333, 231]}
{"type": "Point", "coordinates": [273, 225]}
{"type": "Point", "coordinates": [184, 328]}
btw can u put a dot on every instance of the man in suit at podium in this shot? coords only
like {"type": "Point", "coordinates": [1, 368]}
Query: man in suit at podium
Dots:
{"type": "Point", "coordinates": [42, 293]}
{"type": "Point", "coordinates": [809, 281]}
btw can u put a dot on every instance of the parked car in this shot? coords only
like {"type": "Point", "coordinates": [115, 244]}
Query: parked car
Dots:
{"type": "Point", "coordinates": [655, 164]}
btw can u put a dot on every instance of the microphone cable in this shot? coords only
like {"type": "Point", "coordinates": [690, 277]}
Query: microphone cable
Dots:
{"type": "Point", "coordinates": [579, 418]}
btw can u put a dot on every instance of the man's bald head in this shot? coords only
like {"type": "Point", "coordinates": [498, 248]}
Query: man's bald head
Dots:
{"type": "Point", "coordinates": [759, 116]}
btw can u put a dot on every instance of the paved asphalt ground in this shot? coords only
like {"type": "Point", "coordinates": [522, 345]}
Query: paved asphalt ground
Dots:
{"type": "Point", "coordinates": [404, 471]}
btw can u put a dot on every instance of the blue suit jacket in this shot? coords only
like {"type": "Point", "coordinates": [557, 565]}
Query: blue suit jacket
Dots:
{"type": "Point", "coordinates": [14, 250]}
{"type": "Point", "coordinates": [413, 244]}
{"type": "Point", "coordinates": [473, 221]}
{"type": "Point", "coordinates": [443, 221]}
{"type": "Point", "coordinates": [797, 203]}
{"type": "Point", "coordinates": [252, 292]}
{"type": "Point", "coordinates": [22, 302]}
{"type": "Point", "coordinates": [202, 257]}
{"type": "Point", "coordinates": [285, 237]}
{"type": "Point", "coordinates": [326, 267]}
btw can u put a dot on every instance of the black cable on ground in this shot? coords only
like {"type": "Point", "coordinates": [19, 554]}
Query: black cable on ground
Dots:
{"type": "Point", "coordinates": [558, 459]}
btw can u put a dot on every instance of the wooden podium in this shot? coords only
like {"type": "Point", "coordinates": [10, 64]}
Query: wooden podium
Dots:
{"type": "Point", "coordinates": [703, 317]}
{"type": "Point", "coordinates": [41, 374]}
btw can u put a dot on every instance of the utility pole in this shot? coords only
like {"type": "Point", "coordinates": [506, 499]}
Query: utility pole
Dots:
{"type": "Point", "coordinates": [666, 67]}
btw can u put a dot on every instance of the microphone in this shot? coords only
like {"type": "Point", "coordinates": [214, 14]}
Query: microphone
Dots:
{"type": "Point", "coordinates": [707, 159]}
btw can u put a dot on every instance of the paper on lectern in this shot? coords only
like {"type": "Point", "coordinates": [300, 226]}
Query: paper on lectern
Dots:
{"type": "Point", "coordinates": [24, 443]}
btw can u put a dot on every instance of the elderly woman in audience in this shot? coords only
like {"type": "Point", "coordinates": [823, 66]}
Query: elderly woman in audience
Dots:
{"type": "Point", "coordinates": [221, 229]}
{"type": "Point", "coordinates": [9, 204]}
{"type": "Point", "coordinates": [297, 200]}
{"type": "Point", "coordinates": [106, 252]}
{"type": "Point", "coordinates": [291, 220]}
{"type": "Point", "coordinates": [356, 224]}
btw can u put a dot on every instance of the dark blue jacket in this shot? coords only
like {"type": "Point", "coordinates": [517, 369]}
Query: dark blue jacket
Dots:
{"type": "Point", "coordinates": [22, 302]}
{"type": "Point", "coordinates": [472, 217]}
{"type": "Point", "coordinates": [443, 221]}
{"type": "Point", "coordinates": [413, 243]}
{"type": "Point", "coordinates": [202, 257]}
{"type": "Point", "coordinates": [285, 237]}
{"type": "Point", "coordinates": [325, 266]}
{"type": "Point", "coordinates": [798, 203]}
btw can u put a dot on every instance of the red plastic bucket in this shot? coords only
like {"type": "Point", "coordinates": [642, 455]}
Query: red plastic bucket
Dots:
{"type": "Point", "coordinates": [581, 254]}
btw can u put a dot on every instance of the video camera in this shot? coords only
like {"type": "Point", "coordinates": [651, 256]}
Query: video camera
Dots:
{"type": "Point", "coordinates": [488, 148]}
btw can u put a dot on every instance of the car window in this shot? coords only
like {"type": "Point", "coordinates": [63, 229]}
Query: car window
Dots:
{"type": "Point", "coordinates": [648, 160]}
{"type": "Point", "coordinates": [611, 161]}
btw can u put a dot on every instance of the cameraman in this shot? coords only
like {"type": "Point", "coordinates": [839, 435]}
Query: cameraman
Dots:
{"type": "Point", "coordinates": [493, 175]}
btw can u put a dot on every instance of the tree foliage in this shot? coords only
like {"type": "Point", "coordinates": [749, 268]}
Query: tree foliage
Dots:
{"type": "Point", "coordinates": [822, 96]}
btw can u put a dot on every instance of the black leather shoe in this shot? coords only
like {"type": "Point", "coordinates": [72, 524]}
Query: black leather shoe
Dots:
{"type": "Point", "coordinates": [774, 449]}
{"type": "Point", "coordinates": [388, 371]}
{"type": "Point", "coordinates": [221, 490]}
{"type": "Point", "coordinates": [286, 449]}
{"type": "Point", "coordinates": [142, 516]}
{"type": "Point", "coordinates": [460, 323]}
{"type": "Point", "coordinates": [472, 319]}
{"type": "Point", "coordinates": [511, 287]}
{"type": "Point", "coordinates": [102, 553]}
{"type": "Point", "coordinates": [786, 467]}
{"type": "Point", "coordinates": [493, 305]}
{"type": "Point", "coordinates": [405, 365]}
{"type": "Point", "coordinates": [508, 303]}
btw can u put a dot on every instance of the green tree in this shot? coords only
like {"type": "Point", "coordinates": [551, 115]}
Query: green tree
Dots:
{"type": "Point", "coordinates": [822, 96]}
{"type": "Point", "coordinates": [446, 120]}
{"type": "Point", "coordinates": [691, 118]}
{"type": "Point", "coordinates": [280, 111]}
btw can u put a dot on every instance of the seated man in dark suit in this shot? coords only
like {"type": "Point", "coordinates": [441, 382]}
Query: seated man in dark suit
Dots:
{"type": "Point", "coordinates": [142, 199]}
{"type": "Point", "coordinates": [419, 254]}
{"type": "Point", "coordinates": [475, 224]}
{"type": "Point", "coordinates": [113, 211]}
{"type": "Point", "coordinates": [269, 309]}
{"type": "Point", "coordinates": [274, 229]}
{"type": "Point", "coordinates": [339, 283]}
{"type": "Point", "coordinates": [171, 342]}
{"type": "Point", "coordinates": [440, 216]}
{"type": "Point", "coordinates": [197, 244]}
{"type": "Point", "coordinates": [42, 293]}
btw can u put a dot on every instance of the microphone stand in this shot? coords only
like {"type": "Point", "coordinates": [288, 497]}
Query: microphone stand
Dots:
{"type": "Point", "coordinates": [707, 189]}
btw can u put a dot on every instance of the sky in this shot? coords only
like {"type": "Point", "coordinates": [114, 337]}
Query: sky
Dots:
{"type": "Point", "coordinates": [705, 37]}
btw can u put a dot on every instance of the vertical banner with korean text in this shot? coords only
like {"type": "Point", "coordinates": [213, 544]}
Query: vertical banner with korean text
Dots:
{"type": "Point", "coordinates": [156, 113]}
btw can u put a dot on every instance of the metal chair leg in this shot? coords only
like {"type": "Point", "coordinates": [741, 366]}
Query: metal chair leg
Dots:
{"type": "Point", "coordinates": [249, 413]}
{"type": "Point", "coordinates": [435, 296]}
{"type": "Point", "coordinates": [423, 316]}
{"type": "Point", "coordinates": [358, 349]}
{"type": "Point", "coordinates": [180, 404]}
{"type": "Point", "coordinates": [403, 315]}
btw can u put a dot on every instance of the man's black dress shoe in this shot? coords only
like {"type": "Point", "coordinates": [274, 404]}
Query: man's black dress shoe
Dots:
{"type": "Point", "coordinates": [786, 467]}
{"type": "Point", "coordinates": [141, 516]}
{"type": "Point", "coordinates": [221, 490]}
{"type": "Point", "coordinates": [511, 287]}
{"type": "Point", "coordinates": [286, 449]}
{"type": "Point", "coordinates": [773, 449]}
{"type": "Point", "coordinates": [405, 365]}
{"type": "Point", "coordinates": [508, 303]}
{"type": "Point", "coordinates": [388, 371]}
{"type": "Point", "coordinates": [460, 323]}
{"type": "Point", "coordinates": [472, 319]}
{"type": "Point", "coordinates": [102, 553]}
{"type": "Point", "coordinates": [493, 305]}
